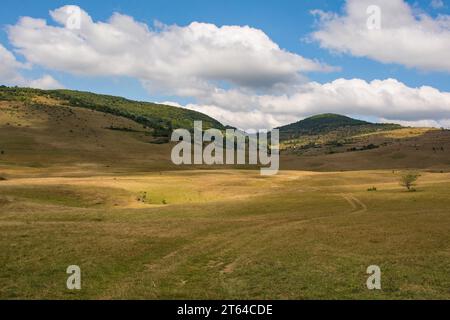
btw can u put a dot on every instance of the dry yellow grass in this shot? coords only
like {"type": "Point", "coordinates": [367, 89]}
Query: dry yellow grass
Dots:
{"type": "Point", "coordinates": [225, 234]}
{"type": "Point", "coordinates": [74, 194]}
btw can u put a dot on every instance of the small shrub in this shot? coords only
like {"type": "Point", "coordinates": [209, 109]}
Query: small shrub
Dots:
{"type": "Point", "coordinates": [142, 197]}
{"type": "Point", "coordinates": [408, 180]}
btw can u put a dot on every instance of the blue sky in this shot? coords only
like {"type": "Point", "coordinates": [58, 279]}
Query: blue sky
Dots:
{"type": "Point", "coordinates": [286, 23]}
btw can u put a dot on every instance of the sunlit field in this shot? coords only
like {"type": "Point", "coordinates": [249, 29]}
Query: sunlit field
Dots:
{"type": "Point", "coordinates": [225, 234]}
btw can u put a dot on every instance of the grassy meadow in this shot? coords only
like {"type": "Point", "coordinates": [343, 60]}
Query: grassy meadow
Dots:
{"type": "Point", "coordinates": [79, 186]}
{"type": "Point", "coordinates": [224, 235]}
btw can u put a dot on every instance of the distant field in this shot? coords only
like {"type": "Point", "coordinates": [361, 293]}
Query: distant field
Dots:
{"type": "Point", "coordinates": [225, 234]}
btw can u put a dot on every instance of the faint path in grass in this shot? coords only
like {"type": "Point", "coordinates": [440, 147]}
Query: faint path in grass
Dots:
{"type": "Point", "coordinates": [357, 205]}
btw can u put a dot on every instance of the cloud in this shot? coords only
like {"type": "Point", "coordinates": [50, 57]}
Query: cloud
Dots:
{"type": "Point", "coordinates": [444, 123]}
{"type": "Point", "coordinates": [186, 61]}
{"type": "Point", "coordinates": [238, 75]}
{"type": "Point", "coordinates": [389, 100]}
{"type": "Point", "coordinates": [407, 36]}
{"type": "Point", "coordinates": [45, 82]}
{"type": "Point", "coordinates": [10, 73]}
{"type": "Point", "coordinates": [9, 67]}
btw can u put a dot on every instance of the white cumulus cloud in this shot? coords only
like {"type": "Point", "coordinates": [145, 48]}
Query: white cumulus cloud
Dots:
{"type": "Point", "coordinates": [185, 60]}
{"type": "Point", "coordinates": [407, 35]}
{"type": "Point", "coordinates": [389, 100]}
{"type": "Point", "coordinates": [238, 75]}
{"type": "Point", "coordinates": [9, 67]}
{"type": "Point", "coordinates": [10, 73]}
{"type": "Point", "coordinates": [45, 82]}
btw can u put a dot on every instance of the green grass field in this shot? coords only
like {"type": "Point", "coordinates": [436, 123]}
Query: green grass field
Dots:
{"type": "Point", "coordinates": [225, 235]}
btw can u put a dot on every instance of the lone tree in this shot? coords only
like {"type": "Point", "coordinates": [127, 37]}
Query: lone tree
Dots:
{"type": "Point", "coordinates": [408, 180]}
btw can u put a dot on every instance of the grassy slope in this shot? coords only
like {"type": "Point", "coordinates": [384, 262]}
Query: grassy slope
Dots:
{"type": "Point", "coordinates": [51, 139]}
{"type": "Point", "coordinates": [407, 148]}
{"type": "Point", "coordinates": [157, 116]}
{"type": "Point", "coordinates": [334, 142]}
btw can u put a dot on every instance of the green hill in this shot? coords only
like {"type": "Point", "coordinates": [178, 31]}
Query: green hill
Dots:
{"type": "Point", "coordinates": [328, 133]}
{"type": "Point", "coordinates": [326, 123]}
{"type": "Point", "coordinates": [161, 118]}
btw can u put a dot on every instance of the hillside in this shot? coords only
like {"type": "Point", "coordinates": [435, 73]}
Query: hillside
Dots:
{"type": "Point", "coordinates": [70, 133]}
{"type": "Point", "coordinates": [326, 123]}
{"type": "Point", "coordinates": [335, 142]}
{"type": "Point", "coordinates": [76, 133]}
{"type": "Point", "coordinates": [161, 118]}
{"type": "Point", "coordinates": [327, 130]}
{"type": "Point", "coordinates": [47, 138]}
{"type": "Point", "coordinates": [320, 124]}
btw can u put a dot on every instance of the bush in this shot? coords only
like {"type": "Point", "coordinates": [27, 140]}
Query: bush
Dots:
{"type": "Point", "coordinates": [408, 180]}
{"type": "Point", "coordinates": [142, 197]}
